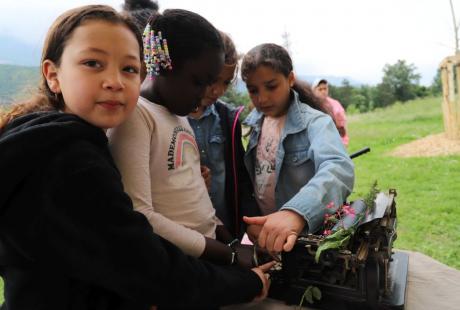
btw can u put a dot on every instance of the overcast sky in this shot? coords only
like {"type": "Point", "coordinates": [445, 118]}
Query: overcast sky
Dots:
{"type": "Point", "coordinates": [353, 38]}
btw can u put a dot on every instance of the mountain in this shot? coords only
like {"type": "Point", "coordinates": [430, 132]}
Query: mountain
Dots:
{"type": "Point", "coordinates": [331, 79]}
{"type": "Point", "coordinates": [240, 86]}
{"type": "Point", "coordinates": [15, 52]}
{"type": "Point", "coordinates": [17, 82]}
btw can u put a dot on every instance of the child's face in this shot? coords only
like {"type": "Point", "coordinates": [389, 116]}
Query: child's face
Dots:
{"type": "Point", "coordinates": [99, 73]}
{"type": "Point", "coordinates": [183, 91]}
{"type": "Point", "coordinates": [322, 90]}
{"type": "Point", "coordinates": [269, 90]}
{"type": "Point", "coordinates": [218, 88]}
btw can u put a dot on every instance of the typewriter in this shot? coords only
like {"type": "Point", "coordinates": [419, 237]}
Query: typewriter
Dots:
{"type": "Point", "coordinates": [364, 274]}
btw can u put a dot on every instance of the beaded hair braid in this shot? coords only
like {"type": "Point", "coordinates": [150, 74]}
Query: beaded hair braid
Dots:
{"type": "Point", "coordinates": [156, 53]}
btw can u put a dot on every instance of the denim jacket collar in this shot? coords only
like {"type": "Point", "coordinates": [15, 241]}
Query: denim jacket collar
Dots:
{"type": "Point", "coordinates": [295, 120]}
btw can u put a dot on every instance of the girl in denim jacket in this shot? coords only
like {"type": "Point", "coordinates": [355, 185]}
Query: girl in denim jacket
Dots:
{"type": "Point", "coordinates": [295, 158]}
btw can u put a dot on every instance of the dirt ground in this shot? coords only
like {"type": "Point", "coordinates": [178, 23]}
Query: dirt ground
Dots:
{"type": "Point", "coordinates": [433, 145]}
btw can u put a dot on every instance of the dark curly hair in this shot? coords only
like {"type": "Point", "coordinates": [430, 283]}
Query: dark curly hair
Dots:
{"type": "Point", "coordinates": [140, 11]}
{"type": "Point", "coordinates": [188, 35]}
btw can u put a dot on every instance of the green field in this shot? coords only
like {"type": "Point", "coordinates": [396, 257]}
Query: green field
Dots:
{"type": "Point", "coordinates": [428, 200]}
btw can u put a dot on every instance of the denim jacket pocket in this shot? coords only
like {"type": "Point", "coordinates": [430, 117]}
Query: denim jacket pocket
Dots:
{"type": "Point", "coordinates": [296, 158]}
{"type": "Point", "coordinates": [297, 170]}
{"type": "Point", "coordinates": [216, 145]}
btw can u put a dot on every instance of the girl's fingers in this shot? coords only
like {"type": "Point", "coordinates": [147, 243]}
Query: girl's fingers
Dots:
{"type": "Point", "coordinates": [270, 240]}
{"type": "Point", "coordinates": [255, 220]}
{"type": "Point", "coordinates": [279, 243]}
{"type": "Point", "coordinates": [267, 266]}
{"type": "Point", "coordinates": [290, 242]}
{"type": "Point", "coordinates": [262, 241]}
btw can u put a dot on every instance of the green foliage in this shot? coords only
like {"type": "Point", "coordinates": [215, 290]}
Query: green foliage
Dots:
{"type": "Point", "coordinates": [399, 83]}
{"type": "Point", "coordinates": [428, 188]}
{"type": "Point", "coordinates": [383, 95]}
{"type": "Point", "coordinates": [369, 199]}
{"type": "Point", "coordinates": [311, 294]}
{"type": "Point", "coordinates": [401, 79]}
{"type": "Point", "coordinates": [345, 93]}
{"type": "Point", "coordinates": [17, 82]}
{"type": "Point", "coordinates": [1, 290]}
{"type": "Point", "coordinates": [436, 85]}
{"type": "Point", "coordinates": [337, 240]}
{"type": "Point", "coordinates": [340, 238]}
{"type": "Point", "coordinates": [235, 98]}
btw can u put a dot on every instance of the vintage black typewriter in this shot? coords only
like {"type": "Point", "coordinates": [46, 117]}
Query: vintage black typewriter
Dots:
{"type": "Point", "coordinates": [365, 274]}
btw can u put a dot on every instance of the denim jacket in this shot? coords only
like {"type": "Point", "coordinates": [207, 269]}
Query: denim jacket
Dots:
{"type": "Point", "coordinates": [225, 159]}
{"type": "Point", "coordinates": [312, 165]}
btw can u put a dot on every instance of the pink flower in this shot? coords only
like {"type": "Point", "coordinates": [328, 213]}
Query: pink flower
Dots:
{"type": "Point", "coordinates": [327, 232]}
{"type": "Point", "coordinates": [330, 205]}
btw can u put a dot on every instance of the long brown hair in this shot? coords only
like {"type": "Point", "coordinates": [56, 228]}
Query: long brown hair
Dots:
{"type": "Point", "coordinates": [277, 58]}
{"type": "Point", "coordinates": [55, 42]}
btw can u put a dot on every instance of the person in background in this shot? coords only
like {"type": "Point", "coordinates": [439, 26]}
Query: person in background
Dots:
{"type": "Point", "coordinates": [321, 89]}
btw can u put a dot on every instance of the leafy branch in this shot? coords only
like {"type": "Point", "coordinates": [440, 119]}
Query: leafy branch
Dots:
{"type": "Point", "coordinates": [310, 294]}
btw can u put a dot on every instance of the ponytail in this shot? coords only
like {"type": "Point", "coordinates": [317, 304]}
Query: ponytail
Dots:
{"type": "Point", "coordinates": [307, 96]}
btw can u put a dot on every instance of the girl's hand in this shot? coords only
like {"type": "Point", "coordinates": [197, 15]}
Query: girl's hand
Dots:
{"type": "Point", "coordinates": [261, 271]}
{"type": "Point", "coordinates": [253, 232]}
{"type": "Point", "coordinates": [279, 230]}
{"type": "Point", "coordinates": [206, 174]}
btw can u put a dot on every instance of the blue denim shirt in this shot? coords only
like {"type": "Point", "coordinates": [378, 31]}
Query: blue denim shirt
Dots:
{"type": "Point", "coordinates": [210, 140]}
{"type": "Point", "coordinates": [312, 165]}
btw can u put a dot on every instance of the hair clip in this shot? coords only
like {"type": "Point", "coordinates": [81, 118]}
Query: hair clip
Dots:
{"type": "Point", "coordinates": [156, 52]}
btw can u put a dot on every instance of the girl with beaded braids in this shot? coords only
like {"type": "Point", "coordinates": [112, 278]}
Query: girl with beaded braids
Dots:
{"type": "Point", "coordinates": [295, 156]}
{"type": "Point", "coordinates": [155, 149]}
{"type": "Point", "coordinates": [69, 237]}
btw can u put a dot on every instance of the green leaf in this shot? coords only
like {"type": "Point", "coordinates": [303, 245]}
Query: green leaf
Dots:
{"type": "Point", "coordinates": [311, 293]}
{"type": "Point", "coordinates": [316, 293]}
{"type": "Point", "coordinates": [309, 297]}
{"type": "Point", "coordinates": [337, 240]}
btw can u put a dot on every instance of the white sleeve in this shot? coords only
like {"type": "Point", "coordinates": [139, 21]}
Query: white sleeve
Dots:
{"type": "Point", "coordinates": [130, 144]}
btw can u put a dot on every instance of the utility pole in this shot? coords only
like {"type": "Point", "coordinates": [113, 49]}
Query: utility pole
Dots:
{"type": "Point", "coordinates": [286, 41]}
{"type": "Point", "coordinates": [455, 27]}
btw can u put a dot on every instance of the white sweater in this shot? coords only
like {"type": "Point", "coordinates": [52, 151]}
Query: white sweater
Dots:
{"type": "Point", "coordinates": [159, 160]}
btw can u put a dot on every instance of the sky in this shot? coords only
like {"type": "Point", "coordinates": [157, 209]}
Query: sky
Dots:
{"type": "Point", "coordinates": [353, 39]}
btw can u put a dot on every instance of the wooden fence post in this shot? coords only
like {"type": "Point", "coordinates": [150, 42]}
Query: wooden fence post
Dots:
{"type": "Point", "coordinates": [450, 77]}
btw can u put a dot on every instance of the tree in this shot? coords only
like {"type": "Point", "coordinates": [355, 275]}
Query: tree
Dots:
{"type": "Point", "coordinates": [436, 84]}
{"type": "Point", "coordinates": [286, 41]}
{"type": "Point", "coordinates": [235, 98]}
{"type": "Point", "coordinates": [383, 95]}
{"type": "Point", "coordinates": [347, 92]}
{"type": "Point", "coordinates": [400, 80]}
{"type": "Point", "coordinates": [362, 99]}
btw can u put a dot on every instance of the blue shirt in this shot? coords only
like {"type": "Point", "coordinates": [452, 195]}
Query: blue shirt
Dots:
{"type": "Point", "coordinates": [211, 142]}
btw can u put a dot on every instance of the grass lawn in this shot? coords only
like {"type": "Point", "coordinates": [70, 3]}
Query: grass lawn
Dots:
{"type": "Point", "coordinates": [428, 188]}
